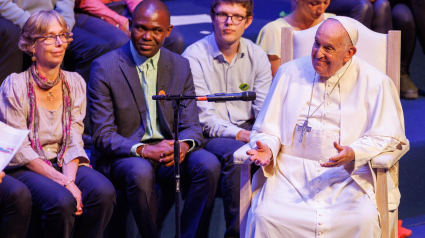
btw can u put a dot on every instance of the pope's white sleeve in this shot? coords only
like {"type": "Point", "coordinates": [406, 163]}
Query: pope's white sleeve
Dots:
{"type": "Point", "coordinates": [367, 147]}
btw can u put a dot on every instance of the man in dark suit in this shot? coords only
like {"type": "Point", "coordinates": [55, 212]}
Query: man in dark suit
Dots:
{"type": "Point", "coordinates": [133, 135]}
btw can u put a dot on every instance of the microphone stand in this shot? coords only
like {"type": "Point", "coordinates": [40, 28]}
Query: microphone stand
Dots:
{"type": "Point", "coordinates": [176, 165]}
{"type": "Point", "coordinates": [176, 107]}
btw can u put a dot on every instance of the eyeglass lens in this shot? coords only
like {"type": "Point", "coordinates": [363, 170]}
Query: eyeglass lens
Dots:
{"type": "Point", "coordinates": [51, 39]}
{"type": "Point", "coordinates": [222, 17]}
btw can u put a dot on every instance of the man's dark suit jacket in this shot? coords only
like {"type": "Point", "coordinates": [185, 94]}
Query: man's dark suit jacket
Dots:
{"type": "Point", "coordinates": [118, 108]}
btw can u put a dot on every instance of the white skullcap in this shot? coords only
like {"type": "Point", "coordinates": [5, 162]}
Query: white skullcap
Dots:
{"type": "Point", "coordinates": [350, 27]}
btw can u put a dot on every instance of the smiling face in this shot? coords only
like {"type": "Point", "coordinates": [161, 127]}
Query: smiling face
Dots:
{"type": "Point", "coordinates": [228, 33]}
{"type": "Point", "coordinates": [50, 55]}
{"type": "Point", "coordinates": [150, 27]}
{"type": "Point", "coordinates": [332, 48]}
{"type": "Point", "coordinates": [313, 9]}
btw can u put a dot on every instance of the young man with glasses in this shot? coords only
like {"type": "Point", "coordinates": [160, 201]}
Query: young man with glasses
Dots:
{"type": "Point", "coordinates": [225, 62]}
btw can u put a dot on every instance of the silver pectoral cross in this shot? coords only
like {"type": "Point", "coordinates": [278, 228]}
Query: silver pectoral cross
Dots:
{"type": "Point", "coordinates": [304, 128]}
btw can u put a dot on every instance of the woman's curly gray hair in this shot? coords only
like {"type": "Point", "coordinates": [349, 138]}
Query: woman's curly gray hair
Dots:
{"type": "Point", "coordinates": [38, 25]}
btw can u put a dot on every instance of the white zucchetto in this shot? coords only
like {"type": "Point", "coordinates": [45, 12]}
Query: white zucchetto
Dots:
{"type": "Point", "coordinates": [349, 26]}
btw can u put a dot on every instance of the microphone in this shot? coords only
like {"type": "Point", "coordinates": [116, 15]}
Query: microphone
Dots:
{"type": "Point", "coordinates": [217, 97]}
{"type": "Point", "coordinates": [222, 97]}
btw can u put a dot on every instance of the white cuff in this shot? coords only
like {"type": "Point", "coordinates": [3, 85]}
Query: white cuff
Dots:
{"type": "Point", "coordinates": [189, 141]}
{"type": "Point", "coordinates": [133, 151]}
{"type": "Point", "coordinates": [231, 132]}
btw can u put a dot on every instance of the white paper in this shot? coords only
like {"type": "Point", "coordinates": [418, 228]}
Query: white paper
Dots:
{"type": "Point", "coordinates": [190, 19]}
{"type": "Point", "coordinates": [10, 141]}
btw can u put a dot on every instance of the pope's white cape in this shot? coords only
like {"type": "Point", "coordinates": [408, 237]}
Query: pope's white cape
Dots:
{"type": "Point", "coordinates": [370, 106]}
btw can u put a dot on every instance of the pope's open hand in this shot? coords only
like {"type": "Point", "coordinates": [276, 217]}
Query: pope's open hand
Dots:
{"type": "Point", "coordinates": [261, 155]}
{"type": "Point", "coordinates": [345, 155]}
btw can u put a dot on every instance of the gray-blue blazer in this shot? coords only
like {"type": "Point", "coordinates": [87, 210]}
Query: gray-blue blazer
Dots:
{"type": "Point", "coordinates": [117, 104]}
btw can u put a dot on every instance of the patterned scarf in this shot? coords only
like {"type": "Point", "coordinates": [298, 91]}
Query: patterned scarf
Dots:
{"type": "Point", "coordinates": [33, 119]}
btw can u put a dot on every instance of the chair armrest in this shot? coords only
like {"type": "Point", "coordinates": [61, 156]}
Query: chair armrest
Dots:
{"type": "Point", "coordinates": [388, 159]}
{"type": "Point", "coordinates": [240, 156]}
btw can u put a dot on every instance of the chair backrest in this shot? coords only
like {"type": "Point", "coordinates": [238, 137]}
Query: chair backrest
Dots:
{"type": "Point", "coordinates": [379, 50]}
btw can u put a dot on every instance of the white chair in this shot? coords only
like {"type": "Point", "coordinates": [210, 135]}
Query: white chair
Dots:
{"type": "Point", "coordinates": [383, 52]}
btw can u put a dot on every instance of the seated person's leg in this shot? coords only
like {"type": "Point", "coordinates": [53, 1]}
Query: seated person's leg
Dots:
{"type": "Point", "coordinates": [175, 42]}
{"type": "Point", "coordinates": [15, 207]}
{"type": "Point", "coordinates": [11, 57]}
{"type": "Point", "coordinates": [112, 34]}
{"type": "Point", "coordinates": [137, 177]}
{"type": "Point", "coordinates": [382, 21]}
{"type": "Point", "coordinates": [98, 198]}
{"type": "Point", "coordinates": [121, 7]}
{"type": "Point", "coordinates": [353, 204]}
{"type": "Point", "coordinates": [284, 206]}
{"type": "Point", "coordinates": [85, 48]}
{"type": "Point", "coordinates": [200, 173]}
{"type": "Point", "coordinates": [403, 20]}
{"type": "Point", "coordinates": [51, 202]}
{"type": "Point", "coordinates": [224, 148]}
{"type": "Point", "coordinates": [418, 8]}
{"type": "Point", "coordinates": [361, 10]}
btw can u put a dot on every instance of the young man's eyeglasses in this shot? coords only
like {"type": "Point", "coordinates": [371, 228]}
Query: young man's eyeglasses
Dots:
{"type": "Point", "coordinates": [236, 19]}
{"type": "Point", "coordinates": [51, 39]}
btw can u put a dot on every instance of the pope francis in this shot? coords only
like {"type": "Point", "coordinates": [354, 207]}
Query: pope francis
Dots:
{"type": "Point", "coordinates": [324, 119]}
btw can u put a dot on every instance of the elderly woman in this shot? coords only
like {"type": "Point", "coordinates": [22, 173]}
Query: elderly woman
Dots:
{"type": "Point", "coordinates": [306, 14]}
{"type": "Point", "coordinates": [51, 104]}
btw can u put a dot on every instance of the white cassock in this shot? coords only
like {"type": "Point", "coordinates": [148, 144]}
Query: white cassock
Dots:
{"type": "Point", "coordinates": [300, 198]}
